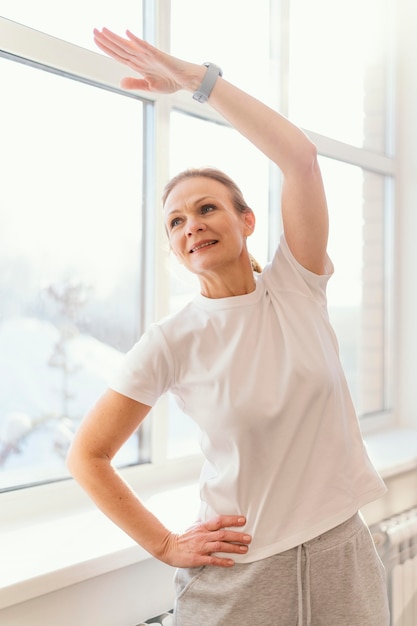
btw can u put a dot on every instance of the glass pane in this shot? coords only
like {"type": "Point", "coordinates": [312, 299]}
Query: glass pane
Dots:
{"type": "Point", "coordinates": [69, 264]}
{"type": "Point", "coordinates": [198, 143]}
{"type": "Point", "coordinates": [357, 291]}
{"type": "Point", "coordinates": [74, 21]}
{"type": "Point", "coordinates": [233, 34]}
{"type": "Point", "coordinates": [338, 78]}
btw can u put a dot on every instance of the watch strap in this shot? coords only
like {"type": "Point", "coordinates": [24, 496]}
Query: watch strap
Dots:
{"type": "Point", "coordinates": [208, 82]}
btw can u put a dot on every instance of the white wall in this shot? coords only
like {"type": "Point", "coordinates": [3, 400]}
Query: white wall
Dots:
{"type": "Point", "coordinates": [406, 253]}
{"type": "Point", "coordinates": [123, 597]}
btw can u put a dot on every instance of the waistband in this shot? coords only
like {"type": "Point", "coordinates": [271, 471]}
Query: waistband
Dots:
{"type": "Point", "coordinates": [332, 537]}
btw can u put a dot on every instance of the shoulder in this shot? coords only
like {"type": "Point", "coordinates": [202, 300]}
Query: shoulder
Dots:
{"type": "Point", "coordinates": [180, 322]}
{"type": "Point", "coordinates": [285, 274]}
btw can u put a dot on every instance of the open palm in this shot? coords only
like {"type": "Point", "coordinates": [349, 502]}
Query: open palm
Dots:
{"type": "Point", "coordinates": [160, 72]}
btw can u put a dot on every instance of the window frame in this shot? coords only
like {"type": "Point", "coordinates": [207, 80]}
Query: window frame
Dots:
{"type": "Point", "coordinates": [385, 166]}
{"type": "Point", "coordinates": [22, 44]}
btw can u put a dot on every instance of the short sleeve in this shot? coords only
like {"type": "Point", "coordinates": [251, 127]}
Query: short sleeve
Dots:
{"type": "Point", "coordinates": [285, 273]}
{"type": "Point", "coordinates": [146, 371]}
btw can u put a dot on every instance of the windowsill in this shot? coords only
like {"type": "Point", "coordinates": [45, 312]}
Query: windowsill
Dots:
{"type": "Point", "coordinates": [47, 556]}
{"type": "Point", "coordinates": [393, 451]}
{"type": "Point", "coordinates": [52, 555]}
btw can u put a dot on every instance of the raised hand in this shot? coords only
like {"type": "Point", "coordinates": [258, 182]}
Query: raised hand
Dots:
{"type": "Point", "coordinates": [195, 547]}
{"type": "Point", "coordinates": [161, 72]}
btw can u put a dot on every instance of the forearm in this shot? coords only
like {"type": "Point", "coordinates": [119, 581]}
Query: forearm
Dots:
{"type": "Point", "coordinates": [278, 138]}
{"type": "Point", "coordinates": [191, 548]}
{"type": "Point", "coordinates": [118, 502]}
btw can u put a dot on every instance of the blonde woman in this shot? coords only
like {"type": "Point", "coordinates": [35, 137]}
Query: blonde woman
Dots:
{"type": "Point", "coordinates": [254, 361]}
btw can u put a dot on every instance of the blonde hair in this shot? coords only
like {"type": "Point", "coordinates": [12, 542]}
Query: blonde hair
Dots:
{"type": "Point", "coordinates": [210, 172]}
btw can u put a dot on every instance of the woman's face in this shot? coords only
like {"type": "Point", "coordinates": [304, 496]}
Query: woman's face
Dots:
{"type": "Point", "coordinates": [205, 231]}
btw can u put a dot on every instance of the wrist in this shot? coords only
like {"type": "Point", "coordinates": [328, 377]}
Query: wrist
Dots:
{"type": "Point", "coordinates": [211, 74]}
{"type": "Point", "coordinates": [163, 548]}
{"type": "Point", "coordinates": [193, 77]}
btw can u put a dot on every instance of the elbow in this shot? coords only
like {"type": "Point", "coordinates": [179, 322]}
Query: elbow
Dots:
{"type": "Point", "coordinates": [84, 462]}
{"type": "Point", "coordinates": [303, 162]}
{"type": "Point", "coordinates": [309, 159]}
{"type": "Point", "coordinates": [77, 461]}
{"type": "Point", "coordinates": [308, 168]}
{"type": "Point", "coordinates": [71, 460]}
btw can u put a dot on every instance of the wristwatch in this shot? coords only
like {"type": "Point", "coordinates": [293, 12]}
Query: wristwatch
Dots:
{"type": "Point", "coordinates": [210, 77]}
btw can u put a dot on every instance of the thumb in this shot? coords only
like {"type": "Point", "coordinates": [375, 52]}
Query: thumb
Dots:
{"type": "Point", "coordinates": [134, 83]}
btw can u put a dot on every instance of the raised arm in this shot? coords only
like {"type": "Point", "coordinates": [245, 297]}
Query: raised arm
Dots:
{"type": "Point", "coordinates": [303, 205]}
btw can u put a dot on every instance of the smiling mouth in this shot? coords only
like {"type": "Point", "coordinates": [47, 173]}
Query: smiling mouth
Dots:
{"type": "Point", "coordinates": [203, 245]}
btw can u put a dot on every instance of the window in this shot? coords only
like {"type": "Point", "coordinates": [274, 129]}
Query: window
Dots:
{"type": "Point", "coordinates": [359, 294]}
{"type": "Point", "coordinates": [341, 91]}
{"type": "Point", "coordinates": [84, 263]}
{"type": "Point", "coordinates": [339, 87]}
{"type": "Point", "coordinates": [69, 260]}
{"type": "Point", "coordinates": [74, 21]}
{"type": "Point", "coordinates": [233, 35]}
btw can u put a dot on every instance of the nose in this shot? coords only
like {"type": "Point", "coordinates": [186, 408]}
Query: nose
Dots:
{"type": "Point", "coordinates": [194, 225]}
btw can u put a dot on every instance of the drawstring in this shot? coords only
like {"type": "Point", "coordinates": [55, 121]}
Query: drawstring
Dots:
{"type": "Point", "coordinates": [303, 547]}
{"type": "Point", "coordinates": [299, 586]}
{"type": "Point", "coordinates": [308, 598]}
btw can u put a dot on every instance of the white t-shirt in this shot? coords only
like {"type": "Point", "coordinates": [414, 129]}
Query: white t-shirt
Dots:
{"type": "Point", "coordinates": [261, 376]}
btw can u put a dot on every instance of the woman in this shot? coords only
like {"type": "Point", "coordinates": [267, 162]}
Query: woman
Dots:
{"type": "Point", "coordinates": [253, 360]}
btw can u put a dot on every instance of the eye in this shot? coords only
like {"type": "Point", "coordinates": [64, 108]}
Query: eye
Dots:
{"type": "Point", "coordinates": [174, 222]}
{"type": "Point", "coordinates": [207, 208]}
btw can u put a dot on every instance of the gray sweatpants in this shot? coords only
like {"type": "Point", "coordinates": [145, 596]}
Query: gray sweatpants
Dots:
{"type": "Point", "coordinates": [336, 579]}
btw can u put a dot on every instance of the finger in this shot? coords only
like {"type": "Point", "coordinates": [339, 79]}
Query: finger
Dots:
{"type": "Point", "coordinates": [104, 38]}
{"type": "Point", "coordinates": [110, 48]}
{"type": "Point", "coordinates": [117, 56]}
{"type": "Point", "coordinates": [136, 39]}
{"type": "Point", "coordinates": [112, 44]}
{"type": "Point", "coordinates": [116, 39]}
{"type": "Point", "coordinates": [211, 559]}
{"type": "Point", "coordinates": [219, 562]}
{"type": "Point", "coordinates": [132, 46]}
{"type": "Point", "coordinates": [225, 521]}
{"type": "Point", "coordinates": [134, 83]}
{"type": "Point", "coordinates": [230, 536]}
{"type": "Point", "coordinates": [226, 546]}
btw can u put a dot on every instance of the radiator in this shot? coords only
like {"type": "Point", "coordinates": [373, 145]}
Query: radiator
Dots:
{"type": "Point", "coordinates": [163, 620]}
{"type": "Point", "coordinates": [396, 541]}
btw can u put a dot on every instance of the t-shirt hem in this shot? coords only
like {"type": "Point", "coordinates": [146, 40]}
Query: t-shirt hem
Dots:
{"type": "Point", "coordinates": [312, 532]}
{"type": "Point", "coordinates": [141, 397]}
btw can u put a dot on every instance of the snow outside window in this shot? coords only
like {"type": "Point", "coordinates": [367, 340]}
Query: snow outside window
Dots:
{"type": "Point", "coordinates": [69, 262]}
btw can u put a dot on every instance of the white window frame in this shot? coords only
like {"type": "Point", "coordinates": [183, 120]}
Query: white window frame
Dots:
{"type": "Point", "coordinates": [370, 161]}
{"type": "Point", "coordinates": [44, 51]}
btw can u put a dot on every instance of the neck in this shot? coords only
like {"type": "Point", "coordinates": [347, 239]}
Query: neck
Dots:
{"type": "Point", "coordinates": [226, 286]}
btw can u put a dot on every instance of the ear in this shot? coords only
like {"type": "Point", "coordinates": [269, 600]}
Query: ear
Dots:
{"type": "Point", "coordinates": [250, 221]}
